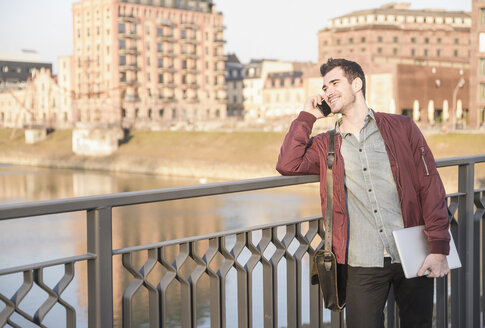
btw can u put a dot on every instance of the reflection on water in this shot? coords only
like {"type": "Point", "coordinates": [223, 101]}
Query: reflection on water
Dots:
{"type": "Point", "coordinates": [37, 239]}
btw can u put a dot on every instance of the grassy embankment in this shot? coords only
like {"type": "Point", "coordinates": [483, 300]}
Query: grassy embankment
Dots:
{"type": "Point", "coordinates": [220, 155]}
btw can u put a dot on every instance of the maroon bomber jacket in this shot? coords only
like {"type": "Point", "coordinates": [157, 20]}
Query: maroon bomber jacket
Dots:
{"type": "Point", "coordinates": [420, 189]}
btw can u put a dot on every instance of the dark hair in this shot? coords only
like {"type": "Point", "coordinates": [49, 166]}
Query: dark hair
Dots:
{"type": "Point", "coordinates": [351, 70]}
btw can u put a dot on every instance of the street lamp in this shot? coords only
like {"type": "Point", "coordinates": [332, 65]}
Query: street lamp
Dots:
{"type": "Point", "coordinates": [459, 85]}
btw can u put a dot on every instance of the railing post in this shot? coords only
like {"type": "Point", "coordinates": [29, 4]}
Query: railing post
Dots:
{"type": "Point", "coordinates": [100, 269]}
{"type": "Point", "coordinates": [468, 237]}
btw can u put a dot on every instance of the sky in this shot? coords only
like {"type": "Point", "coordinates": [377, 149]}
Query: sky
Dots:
{"type": "Point", "coordinates": [276, 29]}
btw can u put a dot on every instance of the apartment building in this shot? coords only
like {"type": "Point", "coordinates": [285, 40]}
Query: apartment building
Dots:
{"type": "Point", "coordinates": [255, 74]}
{"type": "Point", "coordinates": [148, 63]}
{"type": "Point", "coordinates": [413, 59]}
{"type": "Point", "coordinates": [234, 87]}
{"type": "Point", "coordinates": [477, 65]}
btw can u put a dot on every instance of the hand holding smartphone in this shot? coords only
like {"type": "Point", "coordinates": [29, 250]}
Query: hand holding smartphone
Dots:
{"type": "Point", "coordinates": [324, 108]}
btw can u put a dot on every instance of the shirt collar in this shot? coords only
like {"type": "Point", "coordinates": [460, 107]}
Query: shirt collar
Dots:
{"type": "Point", "coordinates": [367, 119]}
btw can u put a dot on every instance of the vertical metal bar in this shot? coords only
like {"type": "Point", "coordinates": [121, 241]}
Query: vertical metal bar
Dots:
{"type": "Point", "coordinates": [442, 301]}
{"type": "Point", "coordinates": [337, 319]}
{"type": "Point", "coordinates": [455, 282]}
{"type": "Point", "coordinates": [268, 281]}
{"type": "Point", "coordinates": [100, 269]}
{"type": "Point", "coordinates": [470, 309]}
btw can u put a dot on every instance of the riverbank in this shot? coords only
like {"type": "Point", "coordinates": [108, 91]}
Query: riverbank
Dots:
{"type": "Point", "coordinates": [215, 155]}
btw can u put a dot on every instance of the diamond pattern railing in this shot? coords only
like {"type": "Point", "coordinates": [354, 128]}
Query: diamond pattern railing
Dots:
{"type": "Point", "coordinates": [243, 256]}
{"type": "Point", "coordinates": [256, 255]}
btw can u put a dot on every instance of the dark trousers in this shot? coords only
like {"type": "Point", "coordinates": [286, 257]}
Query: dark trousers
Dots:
{"type": "Point", "coordinates": [367, 291]}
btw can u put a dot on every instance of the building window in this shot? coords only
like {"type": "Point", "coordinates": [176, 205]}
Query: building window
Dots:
{"type": "Point", "coordinates": [482, 67]}
{"type": "Point", "coordinates": [160, 78]}
{"type": "Point", "coordinates": [338, 41]}
{"type": "Point", "coordinates": [482, 16]}
{"type": "Point", "coordinates": [160, 62]}
{"type": "Point", "coordinates": [457, 41]}
{"type": "Point", "coordinates": [362, 39]}
{"type": "Point", "coordinates": [481, 46]}
{"type": "Point", "coordinates": [425, 52]}
{"type": "Point", "coordinates": [438, 53]}
{"type": "Point", "coordinates": [160, 112]}
{"type": "Point", "coordinates": [183, 34]}
{"type": "Point", "coordinates": [455, 53]}
{"type": "Point", "coordinates": [413, 40]}
{"type": "Point", "coordinates": [379, 50]}
{"type": "Point", "coordinates": [481, 92]}
{"type": "Point", "coordinates": [438, 40]}
{"type": "Point", "coordinates": [413, 52]}
{"type": "Point", "coordinates": [379, 39]}
{"type": "Point", "coordinates": [396, 39]}
{"type": "Point", "coordinates": [395, 51]}
{"type": "Point", "coordinates": [351, 40]}
{"type": "Point", "coordinates": [426, 40]}
{"type": "Point", "coordinates": [122, 60]}
{"type": "Point", "coordinates": [121, 28]}
{"type": "Point", "coordinates": [159, 31]}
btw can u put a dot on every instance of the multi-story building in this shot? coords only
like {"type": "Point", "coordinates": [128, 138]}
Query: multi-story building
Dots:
{"type": "Point", "coordinates": [145, 63]}
{"type": "Point", "coordinates": [234, 87]}
{"type": "Point", "coordinates": [413, 59]}
{"type": "Point", "coordinates": [17, 68]}
{"type": "Point", "coordinates": [477, 65]}
{"type": "Point", "coordinates": [255, 74]}
{"type": "Point", "coordinates": [40, 101]}
{"type": "Point", "coordinates": [283, 94]}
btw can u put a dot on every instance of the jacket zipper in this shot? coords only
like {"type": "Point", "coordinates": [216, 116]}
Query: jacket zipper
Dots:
{"type": "Point", "coordinates": [424, 162]}
{"type": "Point", "coordinates": [397, 173]}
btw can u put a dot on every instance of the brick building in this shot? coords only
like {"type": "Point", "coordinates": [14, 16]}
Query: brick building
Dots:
{"type": "Point", "coordinates": [413, 59]}
{"type": "Point", "coordinates": [477, 64]}
{"type": "Point", "coordinates": [148, 63]}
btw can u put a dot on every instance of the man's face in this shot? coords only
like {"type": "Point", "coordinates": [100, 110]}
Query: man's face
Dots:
{"type": "Point", "coordinates": [338, 92]}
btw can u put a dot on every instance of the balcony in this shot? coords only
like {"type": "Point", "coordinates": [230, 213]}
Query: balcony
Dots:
{"type": "Point", "coordinates": [164, 22]}
{"type": "Point", "coordinates": [127, 19]}
{"type": "Point", "coordinates": [128, 67]}
{"type": "Point", "coordinates": [190, 85]}
{"type": "Point", "coordinates": [167, 100]}
{"type": "Point", "coordinates": [130, 83]}
{"type": "Point", "coordinates": [166, 38]}
{"type": "Point", "coordinates": [168, 69]}
{"type": "Point", "coordinates": [170, 85]}
{"type": "Point", "coordinates": [191, 55]}
{"type": "Point", "coordinates": [190, 26]}
{"type": "Point", "coordinates": [190, 70]}
{"type": "Point", "coordinates": [131, 98]}
{"type": "Point", "coordinates": [220, 72]}
{"type": "Point", "coordinates": [192, 100]}
{"type": "Point", "coordinates": [189, 40]}
{"type": "Point", "coordinates": [128, 35]}
{"type": "Point", "coordinates": [169, 53]}
{"type": "Point", "coordinates": [220, 57]}
{"type": "Point", "coordinates": [220, 41]}
{"type": "Point", "coordinates": [222, 100]}
{"type": "Point", "coordinates": [129, 51]}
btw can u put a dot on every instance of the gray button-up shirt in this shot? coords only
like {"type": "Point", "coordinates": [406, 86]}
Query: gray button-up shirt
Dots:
{"type": "Point", "coordinates": [372, 199]}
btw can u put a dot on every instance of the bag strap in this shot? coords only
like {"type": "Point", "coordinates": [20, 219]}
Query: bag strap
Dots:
{"type": "Point", "coordinates": [329, 211]}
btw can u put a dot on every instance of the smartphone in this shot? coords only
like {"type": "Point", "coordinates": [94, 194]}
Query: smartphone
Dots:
{"type": "Point", "coordinates": [324, 108]}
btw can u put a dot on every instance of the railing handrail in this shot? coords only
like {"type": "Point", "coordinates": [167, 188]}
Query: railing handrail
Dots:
{"type": "Point", "coordinates": [38, 208]}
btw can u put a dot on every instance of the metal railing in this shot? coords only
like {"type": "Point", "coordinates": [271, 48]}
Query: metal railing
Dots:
{"type": "Point", "coordinates": [289, 244]}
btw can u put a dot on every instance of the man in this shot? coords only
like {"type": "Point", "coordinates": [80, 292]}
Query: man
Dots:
{"type": "Point", "coordinates": [385, 178]}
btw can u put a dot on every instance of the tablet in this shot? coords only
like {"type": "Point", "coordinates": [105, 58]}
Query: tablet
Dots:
{"type": "Point", "coordinates": [413, 247]}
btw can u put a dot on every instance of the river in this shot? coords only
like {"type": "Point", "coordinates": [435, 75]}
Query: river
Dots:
{"type": "Point", "coordinates": [29, 240]}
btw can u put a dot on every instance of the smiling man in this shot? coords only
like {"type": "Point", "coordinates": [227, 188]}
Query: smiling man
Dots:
{"type": "Point", "coordinates": [385, 178]}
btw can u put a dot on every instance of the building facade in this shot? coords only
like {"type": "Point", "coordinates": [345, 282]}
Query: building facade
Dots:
{"type": "Point", "coordinates": [430, 48]}
{"type": "Point", "coordinates": [234, 87]}
{"type": "Point", "coordinates": [145, 64]}
{"type": "Point", "coordinates": [18, 68]}
{"type": "Point", "coordinates": [40, 102]}
{"type": "Point", "coordinates": [477, 64]}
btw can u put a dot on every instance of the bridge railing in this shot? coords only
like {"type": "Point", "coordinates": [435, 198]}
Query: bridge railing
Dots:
{"type": "Point", "coordinates": [281, 251]}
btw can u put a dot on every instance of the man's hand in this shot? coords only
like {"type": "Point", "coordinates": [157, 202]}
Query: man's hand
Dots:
{"type": "Point", "coordinates": [436, 264]}
{"type": "Point", "coordinates": [311, 106]}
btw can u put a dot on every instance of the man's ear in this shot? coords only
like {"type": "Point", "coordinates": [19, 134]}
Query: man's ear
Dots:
{"type": "Point", "coordinates": [357, 84]}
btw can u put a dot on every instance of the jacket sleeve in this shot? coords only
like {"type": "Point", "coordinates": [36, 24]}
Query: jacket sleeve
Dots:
{"type": "Point", "coordinates": [299, 154]}
{"type": "Point", "coordinates": [431, 194]}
